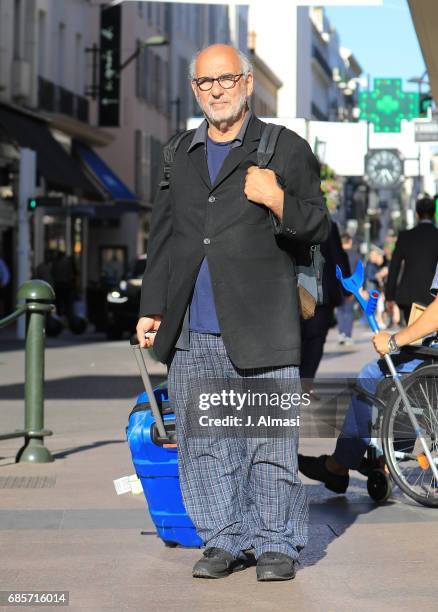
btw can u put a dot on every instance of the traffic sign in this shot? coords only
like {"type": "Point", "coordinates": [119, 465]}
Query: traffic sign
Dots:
{"type": "Point", "coordinates": [426, 131]}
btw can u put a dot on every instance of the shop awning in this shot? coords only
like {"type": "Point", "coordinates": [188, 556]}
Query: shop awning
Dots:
{"type": "Point", "coordinates": [59, 169]}
{"type": "Point", "coordinates": [116, 189]}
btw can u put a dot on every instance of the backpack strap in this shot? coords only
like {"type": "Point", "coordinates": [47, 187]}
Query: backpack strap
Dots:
{"type": "Point", "coordinates": [169, 151]}
{"type": "Point", "coordinates": [267, 144]}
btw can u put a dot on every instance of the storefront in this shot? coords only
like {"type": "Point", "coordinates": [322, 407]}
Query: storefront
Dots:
{"type": "Point", "coordinates": [81, 209]}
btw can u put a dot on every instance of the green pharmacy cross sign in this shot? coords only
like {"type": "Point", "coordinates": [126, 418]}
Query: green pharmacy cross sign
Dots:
{"type": "Point", "coordinates": [387, 105]}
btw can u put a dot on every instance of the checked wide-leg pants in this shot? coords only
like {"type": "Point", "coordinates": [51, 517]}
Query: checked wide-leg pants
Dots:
{"type": "Point", "coordinates": [240, 492]}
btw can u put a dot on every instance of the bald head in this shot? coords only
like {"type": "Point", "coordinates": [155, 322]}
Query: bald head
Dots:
{"type": "Point", "coordinates": [222, 82]}
{"type": "Point", "coordinates": [218, 54]}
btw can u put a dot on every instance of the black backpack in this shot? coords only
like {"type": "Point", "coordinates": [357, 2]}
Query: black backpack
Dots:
{"type": "Point", "coordinates": [309, 260]}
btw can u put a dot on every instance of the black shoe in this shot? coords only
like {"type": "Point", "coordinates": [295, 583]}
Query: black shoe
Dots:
{"type": "Point", "coordinates": [217, 563]}
{"type": "Point", "coordinates": [275, 566]}
{"type": "Point", "coordinates": [314, 468]}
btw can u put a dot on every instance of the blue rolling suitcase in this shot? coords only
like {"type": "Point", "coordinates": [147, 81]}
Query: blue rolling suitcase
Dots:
{"type": "Point", "coordinates": [152, 441]}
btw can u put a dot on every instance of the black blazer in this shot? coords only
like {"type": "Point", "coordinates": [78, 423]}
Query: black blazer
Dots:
{"type": "Point", "coordinates": [415, 258]}
{"type": "Point", "coordinates": [249, 255]}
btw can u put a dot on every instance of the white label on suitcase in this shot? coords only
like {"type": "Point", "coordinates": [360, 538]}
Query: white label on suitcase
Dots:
{"type": "Point", "coordinates": [128, 484]}
{"type": "Point", "coordinates": [122, 485]}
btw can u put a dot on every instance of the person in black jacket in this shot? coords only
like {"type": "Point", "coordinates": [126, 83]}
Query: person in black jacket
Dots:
{"type": "Point", "coordinates": [315, 330]}
{"type": "Point", "coordinates": [220, 291]}
{"type": "Point", "coordinates": [413, 262]}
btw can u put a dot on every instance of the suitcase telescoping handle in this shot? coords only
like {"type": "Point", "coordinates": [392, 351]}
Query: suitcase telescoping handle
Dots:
{"type": "Point", "coordinates": [139, 357]}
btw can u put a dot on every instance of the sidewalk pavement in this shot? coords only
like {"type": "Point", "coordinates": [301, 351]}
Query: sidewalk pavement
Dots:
{"type": "Point", "coordinates": [62, 526]}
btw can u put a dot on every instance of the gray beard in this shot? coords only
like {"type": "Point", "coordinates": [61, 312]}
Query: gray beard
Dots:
{"type": "Point", "coordinates": [231, 118]}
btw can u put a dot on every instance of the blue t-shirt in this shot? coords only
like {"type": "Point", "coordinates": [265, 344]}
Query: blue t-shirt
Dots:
{"type": "Point", "coordinates": [203, 317]}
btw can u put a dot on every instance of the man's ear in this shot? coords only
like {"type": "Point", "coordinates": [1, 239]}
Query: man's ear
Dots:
{"type": "Point", "coordinates": [249, 84]}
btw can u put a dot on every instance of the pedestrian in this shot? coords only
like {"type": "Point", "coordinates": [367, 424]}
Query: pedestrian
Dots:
{"type": "Point", "coordinates": [44, 270]}
{"type": "Point", "coordinates": [376, 271]}
{"type": "Point", "coordinates": [345, 312]}
{"type": "Point", "coordinates": [5, 277]}
{"type": "Point", "coordinates": [413, 261]}
{"type": "Point", "coordinates": [64, 278]}
{"type": "Point", "coordinates": [314, 331]}
{"type": "Point", "coordinates": [220, 292]}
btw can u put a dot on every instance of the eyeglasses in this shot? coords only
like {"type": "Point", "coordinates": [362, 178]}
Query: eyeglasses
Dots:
{"type": "Point", "coordinates": [226, 81]}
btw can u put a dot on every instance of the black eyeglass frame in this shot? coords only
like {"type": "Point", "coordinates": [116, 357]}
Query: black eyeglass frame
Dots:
{"type": "Point", "coordinates": [234, 77]}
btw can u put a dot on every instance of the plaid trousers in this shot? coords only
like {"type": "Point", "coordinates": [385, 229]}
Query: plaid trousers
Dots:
{"type": "Point", "coordinates": [240, 492]}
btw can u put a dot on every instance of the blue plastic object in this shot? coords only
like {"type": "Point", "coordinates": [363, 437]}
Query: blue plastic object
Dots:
{"type": "Point", "coordinates": [353, 284]}
{"type": "Point", "coordinates": [157, 468]}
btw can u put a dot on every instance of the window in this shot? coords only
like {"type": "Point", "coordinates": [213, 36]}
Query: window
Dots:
{"type": "Point", "coordinates": [183, 87]}
{"type": "Point", "coordinates": [187, 8]}
{"type": "Point", "coordinates": [211, 23]}
{"type": "Point", "coordinates": [142, 76]}
{"type": "Point", "coordinates": [157, 82]}
{"type": "Point", "coordinates": [159, 22]}
{"type": "Point", "coordinates": [243, 29]}
{"type": "Point", "coordinates": [147, 165]}
{"type": "Point", "coordinates": [165, 87]}
{"type": "Point", "coordinates": [61, 54]}
{"type": "Point", "coordinates": [79, 81]}
{"type": "Point", "coordinates": [167, 18]}
{"type": "Point", "coordinates": [151, 81]}
{"type": "Point", "coordinates": [199, 26]}
{"type": "Point", "coordinates": [42, 35]}
{"type": "Point", "coordinates": [155, 162]}
{"type": "Point", "coordinates": [18, 29]}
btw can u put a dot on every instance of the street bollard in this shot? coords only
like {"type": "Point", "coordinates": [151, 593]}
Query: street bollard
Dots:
{"type": "Point", "coordinates": [39, 297]}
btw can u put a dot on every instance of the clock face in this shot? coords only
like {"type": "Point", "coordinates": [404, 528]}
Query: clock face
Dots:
{"type": "Point", "coordinates": [384, 168]}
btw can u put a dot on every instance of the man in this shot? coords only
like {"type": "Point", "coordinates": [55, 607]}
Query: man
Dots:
{"type": "Point", "coordinates": [314, 331]}
{"type": "Point", "coordinates": [333, 470]}
{"type": "Point", "coordinates": [345, 312]}
{"type": "Point", "coordinates": [414, 259]}
{"type": "Point", "coordinates": [220, 291]}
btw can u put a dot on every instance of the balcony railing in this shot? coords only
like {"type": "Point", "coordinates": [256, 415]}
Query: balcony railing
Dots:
{"type": "Point", "coordinates": [318, 56]}
{"type": "Point", "coordinates": [81, 108]}
{"type": "Point", "coordinates": [318, 113]}
{"type": "Point", "coordinates": [66, 104]}
{"type": "Point", "coordinates": [56, 99]}
{"type": "Point", "coordinates": [46, 95]}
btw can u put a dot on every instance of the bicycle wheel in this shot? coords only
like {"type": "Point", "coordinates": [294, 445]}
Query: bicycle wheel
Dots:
{"type": "Point", "coordinates": [403, 451]}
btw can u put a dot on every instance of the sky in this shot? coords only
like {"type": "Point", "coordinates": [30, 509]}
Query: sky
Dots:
{"type": "Point", "coordinates": [382, 38]}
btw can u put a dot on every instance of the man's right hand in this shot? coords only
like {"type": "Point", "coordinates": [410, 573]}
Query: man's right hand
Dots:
{"type": "Point", "coordinates": [147, 324]}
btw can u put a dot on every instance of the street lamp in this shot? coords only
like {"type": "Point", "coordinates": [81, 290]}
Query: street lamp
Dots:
{"type": "Point", "coordinates": [152, 41]}
{"type": "Point", "coordinates": [419, 80]}
{"type": "Point", "coordinates": [424, 100]}
{"type": "Point", "coordinates": [93, 89]}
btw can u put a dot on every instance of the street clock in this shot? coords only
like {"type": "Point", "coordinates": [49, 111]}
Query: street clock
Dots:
{"type": "Point", "coordinates": [383, 168]}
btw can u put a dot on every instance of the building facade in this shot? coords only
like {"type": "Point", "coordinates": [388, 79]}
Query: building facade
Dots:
{"type": "Point", "coordinates": [43, 108]}
{"type": "Point", "coordinates": [306, 55]}
{"type": "Point", "coordinates": [105, 85]}
{"type": "Point", "coordinates": [264, 100]}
